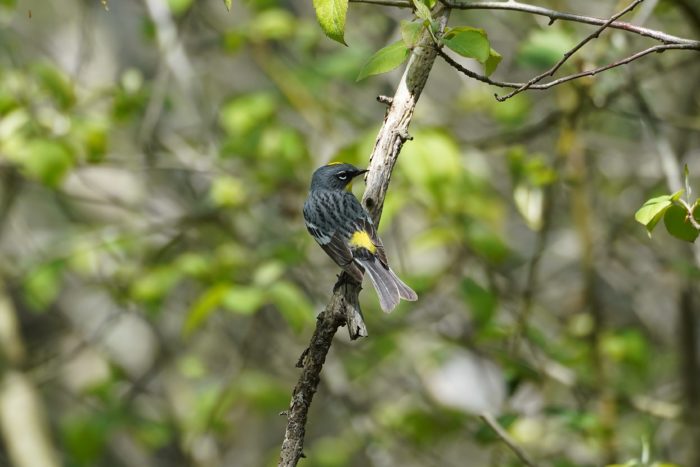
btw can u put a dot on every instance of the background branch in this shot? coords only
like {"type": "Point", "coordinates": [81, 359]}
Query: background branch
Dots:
{"type": "Point", "coordinates": [572, 51]}
{"type": "Point", "coordinates": [523, 86]}
{"type": "Point", "coordinates": [555, 15]}
{"type": "Point", "coordinates": [491, 421]}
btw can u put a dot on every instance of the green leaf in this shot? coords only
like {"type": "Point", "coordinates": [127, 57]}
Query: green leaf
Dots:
{"type": "Point", "coordinates": [228, 191]}
{"type": "Point", "coordinates": [42, 286]}
{"type": "Point", "coordinates": [678, 225]}
{"type": "Point", "coordinates": [45, 160]}
{"type": "Point", "coordinates": [243, 300]}
{"type": "Point", "coordinates": [227, 4]}
{"type": "Point", "coordinates": [202, 308]}
{"type": "Point", "coordinates": [651, 212]}
{"type": "Point", "coordinates": [468, 42]}
{"type": "Point", "coordinates": [243, 114]}
{"type": "Point", "coordinates": [492, 62]}
{"type": "Point", "coordinates": [686, 179]}
{"type": "Point", "coordinates": [331, 16]}
{"type": "Point", "coordinates": [56, 83]}
{"type": "Point", "coordinates": [177, 7]}
{"type": "Point", "coordinates": [385, 59]}
{"type": "Point", "coordinates": [153, 285]}
{"type": "Point", "coordinates": [411, 33]}
{"type": "Point", "coordinates": [422, 10]}
{"type": "Point", "coordinates": [292, 304]}
{"type": "Point", "coordinates": [513, 111]}
{"type": "Point", "coordinates": [85, 437]}
{"type": "Point", "coordinates": [545, 47]}
{"type": "Point", "coordinates": [273, 23]}
{"type": "Point", "coordinates": [481, 301]}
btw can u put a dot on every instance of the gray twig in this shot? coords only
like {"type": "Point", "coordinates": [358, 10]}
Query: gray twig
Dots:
{"type": "Point", "coordinates": [491, 421]}
{"type": "Point", "coordinates": [567, 55]}
{"type": "Point", "coordinates": [555, 15]}
{"type": "Point", "coordinates": [505, 84]}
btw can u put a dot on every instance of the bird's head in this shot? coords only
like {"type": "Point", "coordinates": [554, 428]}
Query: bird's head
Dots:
{"type": "Point", "coordinates": [335, 176]}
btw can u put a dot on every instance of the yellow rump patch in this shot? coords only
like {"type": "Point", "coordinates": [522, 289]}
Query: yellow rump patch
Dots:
{"type": "Point", "coordinates": [361, 239]}
{"type": "Point", "coordinates": [334, 163]}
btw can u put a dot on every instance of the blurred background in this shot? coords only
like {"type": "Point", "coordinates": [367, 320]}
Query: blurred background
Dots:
{"type": "Point", "coordinates": [157, 284]}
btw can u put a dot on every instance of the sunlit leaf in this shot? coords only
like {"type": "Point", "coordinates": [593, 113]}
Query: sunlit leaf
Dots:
{"type": "Point", "coordinates": [422, 10]}
{"type": "Point", "coordinates": [422, 167]}
{"type": "Point", "coordinates": [152, 285]}
{"type": "Point", "coordinates": [241, 115]}
{"type": "Point", "coordinates": [468, 42]}
{"type": "Point", "coordinates": [227, 4]}
{"type": "Point", "coordinates": [244, 300]}
{"type": "Point", "coordinates": [273, 23]}
{"type": "Point", "coordinates": [179, 6]}
{"type": "Point", "coordinates": [42, 286]}
{"type": "Point", "coordinates": [411, 33]}
{"type": "Point", "coordinates": [677, 223]}
{"type": "Point", "coordinates": [56, 84]}
{"type": "Point", "coordinates": [530, 203]}
{"type": "Point", "coordinates": [228, 191]}
{"type": "Point", "coordinates": [292, 304]}
{"type": "Point", "coordinates": [385, 59]}
{"type": "Point", "coordinates": [45, 160]}
{"type": "Point", "coordinates": [492, 62]}
{"type": "Point", "coordinates": [652, 211]}
{"type": "Point", "coordinates": [203, 307]}
{"type": "Point", "coordinates": [331, 16]}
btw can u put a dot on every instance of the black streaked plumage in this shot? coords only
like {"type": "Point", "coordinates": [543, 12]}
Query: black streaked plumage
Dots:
{"type": "Point", "coordinates": [339, 223]}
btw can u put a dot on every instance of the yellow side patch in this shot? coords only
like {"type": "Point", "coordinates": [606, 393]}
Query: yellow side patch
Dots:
{"type": "Point", "coordinates": [361, 239]}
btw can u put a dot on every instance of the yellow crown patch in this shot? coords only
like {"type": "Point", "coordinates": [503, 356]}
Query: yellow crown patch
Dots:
{"type": "Point", "coordinates": [334, 163]}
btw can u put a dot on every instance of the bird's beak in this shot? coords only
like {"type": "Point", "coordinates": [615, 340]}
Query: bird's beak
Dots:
{"type": "Point", "coordinates": [348, 187]}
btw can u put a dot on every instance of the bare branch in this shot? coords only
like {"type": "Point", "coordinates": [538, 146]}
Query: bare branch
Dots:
{"type": "Point", "coordinates": [554, 15]}
{"type": "Point", "coordinates": [491, 421]}
{"type": "Point", "coordinates": [567, 55]}
{"type": "Point", "coordinates": [564, 79]}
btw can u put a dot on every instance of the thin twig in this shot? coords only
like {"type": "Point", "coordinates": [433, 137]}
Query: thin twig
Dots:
{"type": "Point", "coordinates": [491, 421]}
{"type": "Point", "coordinates": [555, 15]}
{"type": "Point", "coordinates": [594, 35]}
{"type": "Point", "coordinates": [595, 71]}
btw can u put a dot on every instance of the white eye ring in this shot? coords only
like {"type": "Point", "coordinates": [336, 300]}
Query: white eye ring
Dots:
{"type": "Point", "coordinates": [342, 177]}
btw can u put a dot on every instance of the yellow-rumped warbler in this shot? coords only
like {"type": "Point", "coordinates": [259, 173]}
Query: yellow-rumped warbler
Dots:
{"type": "Point", "coordinates": [339, 223]}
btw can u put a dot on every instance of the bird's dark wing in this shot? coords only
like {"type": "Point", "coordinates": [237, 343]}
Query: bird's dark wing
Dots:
{"type": "Point", "coordinates": [338, 250]}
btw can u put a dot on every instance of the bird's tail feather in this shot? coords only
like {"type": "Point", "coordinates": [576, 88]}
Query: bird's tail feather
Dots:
{"type": "Point", "coordinates": [405, 291]}
{"type": "Point", "coordinates": [389, 287]}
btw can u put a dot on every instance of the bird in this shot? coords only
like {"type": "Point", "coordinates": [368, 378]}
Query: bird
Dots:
{"type": "Point", "coordinates": [344, 229]}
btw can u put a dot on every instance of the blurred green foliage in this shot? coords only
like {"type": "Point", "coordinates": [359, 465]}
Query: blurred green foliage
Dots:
{"type": "Point", "coordinates": [151, 237]}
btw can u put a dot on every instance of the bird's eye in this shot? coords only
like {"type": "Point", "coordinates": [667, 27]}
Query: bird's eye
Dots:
{"type": "Point", "coordinates": [342, 176]}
